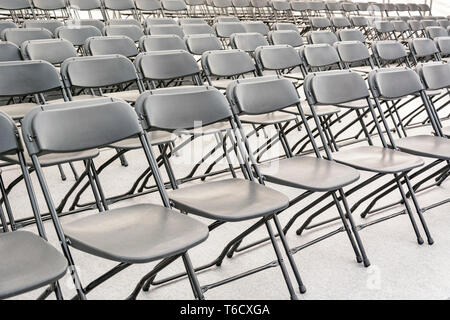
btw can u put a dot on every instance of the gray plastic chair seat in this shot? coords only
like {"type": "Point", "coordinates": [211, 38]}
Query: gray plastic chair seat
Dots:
{"type": "Point", "coordinates": [17, 110]}
{"type": "Point", "coordinates": [136, 234]}
{"type": "Point", "coordinates": [156, 138]}
{"type": "Point", "coordinates": [28, 262]}
{"type": "Point", "coordinates": [52, 159]}
{"type": "Point", "coordinates": [425, 146]}
{"type": "Point", "coordinates": [268, 118]}
{"type": "Point", "coordinates": [377, 159]}
{"type": "Point", "coordinates": [209, 129]}
{"type": "Point", "coordinates": [356, 104]}
{"type": "Point", "coordinates": [128, 96]}
{"type": "Point", "coordinates": [321, 110]}
{"type": "Point", "coordinates": [229, 200]}
{"type": "Point", "coordinates": [309, 173]}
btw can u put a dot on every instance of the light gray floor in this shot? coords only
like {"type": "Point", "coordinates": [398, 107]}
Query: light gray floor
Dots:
{"type": "Point", "coordinates": [401, 269]}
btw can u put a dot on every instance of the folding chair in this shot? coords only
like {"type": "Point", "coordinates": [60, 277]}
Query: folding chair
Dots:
{"type": "Point", "coordinates": [54, 51]}
{"type": "Point", "coordinates": [133, 32]}
{"type": "Point", "coordinates": [50, 25]}
{"type": "Point", "coordinates": [333, 7]}
{"type": "Point", "coordinates": [282, 11]}
{"type": "Point", "coordinates": [355, 55]}
{"type": "Point", "coordinates": [322, 37]}
{"type": "Point", "coordinates": [222, 7]}
{"type": "Point", "coordinates": [159, 20]}
{"type": "Point", "coordinates": [444, 23]}
{"type": "Point", "coordinates": [189, 29]}
{"type": "Point", "coordinates": [184, 21]}
{"type": "Point", "coordinates": [164, 29]}
{"type": "Point", "coordinates": [123, 22]}
{"type": "Point", "coordinates": [111, 75]}
{"type": "Point", "coordinates": [18, 36]}
{"type": "Point", "coordinates": [162, 42]}
{"type": "Point", "coordinates": [6, 25]}
{"type": "Point", "coordinates": [123, 45]}
{"type": "Point", "coordinates": [428, 23]}
{"type": "Point", "coordinates": [340, 23]}
{"type": "Point", "coordinates": [115, 9]}
{"type": "Point", "coordinates": [197, 44]}
{"type": "Point", "coordinates": [133, 234]}
{"type": "Point", "coordinates": [242, 9]}
{"type": "Point", "coordinates": [384, 30]}
{"type": "Point", "coordinates": [351, 35]}
{"type": "Point", "coordinates": [9, 52]}
{"type": "Point", "coordinates": [77, 35]}
{"type": "Point", "coordinates": [174, 8]}
{"type": "Point", "coordinates": [434, 32]}
{"type": "Point", "coordinates": [51, 9]}
{"type": "Point", "coordinates": [443, 45]}
{"type": "Point", "coordinates": [349, 8]}
{"type": "Point", "coordinates": [19, 10]}
{"type": "Point", "coordinates": [29, 261]}
{"type": "Point", "coordinates": [287, 37]}
{"type": "Point", "coordinates": [225, 29]}
{"type": "Point", "coordinates": [146, 8]}
{"type": "Point", "coordinates": [320, 23]}
{"type": "Point", "coordinates": [416, 28]}
{"type": "Point", "coordinates": [87, 22]}
{"type": "Point", "coordinates": [285, 26]}
{"type": "Point", "coordinates": [221, 19]}
{"type": "Point", "coordinates": [317, 8]}
{"type": "Point", "coordinates": [88, 6]}
{"type": "Point", "coordinates": [206, 105]}
{"type": "Point", "coordinates": [389, 52]}
{"type": "Point", "coordinates": [256, 26]}
{"type": "Point", "coordinates": [423, 49]}
{"type": "Point", "coordinates": [247, 42]}
{"type": "Point", "coordinates": [198, 8]}
{"type": "Point", "coordinates": [413, 8]}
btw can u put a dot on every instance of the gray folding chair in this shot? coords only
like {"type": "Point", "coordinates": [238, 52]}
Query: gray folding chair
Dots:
{"type": "Point", "coordinates": [116, 9]}
{"type": "Point", "coordinates": [247, 42]}
{"type": "Point", "coordinates": [444, 23]}
{"type": "Point", "coordinates": [189, 29]}
{"type": "Point", "coordinates": [351, 35]}
{"type": "Point", "coordinates": [388, 52]}
{"type": "Point", "coordinates": [77, 35]}
{"type": "Point", "coordinates": [184, 21]}
{"type": "Point", "coordinates": [29, 261]}
{"type": "Point", "coordinates": [131, 31]}
{"type": "Point", "coordinates": [434, 32]}
{"type": "Point", "coordinates": [443, 45]}
{"type": "Point", "coordinates": [88, 6]}
{"type": "Point", "coordinates": [87, 22]}
{"type": "Point", "coordinates": [18, 36]}
{"type": "Point", "coordinates": [340, 22]}
{"type": "Point", "coordinates": [122, 45]}
{"type": "Point", "coordinates": [6, 25]}
{"type": "Point", "coordinates": [165, 29]}
{"type": "Point", "coordinates": [197, 44]}
{"type": "Point", "coordinates": [285, 26]}
{"type": "Point", "coordinates": [320, 23]}
{"type": "Point", "coordinates": [182, 108]}
{"type": "Point", "coordinates": [54, 51]}
{"type": "Point", "coordinates": [19, 10]}
{"type": "Point", "coordinates": [123, 22]}
{"type": "Point", "coordinates": [225, 29]}
{"type": "Point", "coordinates": [320, 57]}
{"type": "Point", "coordinates": [319, 37]}
{"type": "Point", "coordinates": [355, 55]}
{"type": "Point", "coordinates": [50, 25]}
{"type": "Point", "coordinates": [51, 9]}
{"type": "Point", "coordinates": [128, 235]}
{"type": "Point", "coordinates": [174, 8]}
{"type": "Point", "coordinates": [286, 37]}
{"type": "Point", "coordinates": [423, 49]}
{"type": "Point", "coordinates": [256, 26]}
{"type": "Point", "coordinates": [161, 42]}
{"type": "Point", "coordinates": [9, 52]}
{"type": "Point", "coordinates": [428, 23]}
{"type": "Point", "coordinates": [109, 75]}
{"type": "Point", "coordinates": [384, 30]}
{"type": "Point", "coordinates": [159, 20]}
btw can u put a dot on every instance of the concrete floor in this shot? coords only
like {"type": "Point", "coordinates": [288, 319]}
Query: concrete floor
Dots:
{"type": "Point", "coordinates": [401, 269]}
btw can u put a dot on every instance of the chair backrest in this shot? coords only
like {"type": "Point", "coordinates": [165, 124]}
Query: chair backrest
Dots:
{"type": "Point", "coordinates": [202, 28]}
{"type": "Point", "coordinates": [319, 55]}
{"type": "Point", "coordinates": [299, 6]}
{"type": "Point", "coordinates": [87, 22]}
{"type": "Point", "coordinates": [289, 37]}
{"type": "Point", "coordinates": [199, 43]}
{"type": "Point", "coordinates": [394, 83]}
{"type": "Point", "coordinates": [97, 71]}
{"type": "Point", "coordinates": [443, 45]}
{"type": "Point", "coordinates": [415, 25]}
{"type": "Point", "coordinates": [18, 36]}
{"type": "Point", "coordinates": [19, 78]}
{"type": "Point", "coordinates": [51, 129]}
{"type": "Point", "coordinates": [9, 142]}
{"type": "Point", "coordinates": [400, 26]}
{"type": "Point", "coordinates": [351, 35]}
{"type": "Point", "coordinates": [434, 75]}
{"type": "Point", "coordinates": [173, 5]}
{"type": "Point", "coordinates": [333, 6]}
{"type": "Point", "coordinates": [247, 41]}
{"type": "Point", "coordinates": [227, 63]}
{"type": "Point", "coordinates": [166, 65]}
{"type": "Point", "coordinates": [182, 107]}
{"type": "Point", "coordinates": [159, 20]}
{"type": "Point", "coordinates": [320, 22]}
{"type": "Point", "coordinates": [183, 21]}
{"type": "Point", "coordinates": [119, 5]}
{"type": "Point", "coordinates": [434, 32]}
{"type": "Point", "coordinates": [220, 19]}
{"type": "Point", "coordinates": [444, 23]}
{"type": "Point", "coordinates": [54, 51]}
{"type": "Point", "coordinates": [50, 25]}
{"type": "Point", "coordinates": [226, 29]}
{"type": "Point", "coordinates": [428, 23]}
{"type": "Point", "coordinates": [384, 26]}
{"type": "Point", "coordinates": [285, 26]}
{"type": "Point", "coordinates": [316, 5]}
{"type": "Point", "coordinates": [335, 87]}
{"type": "Point", "coordinates": [123, 22]}
{"type": "Point", "coordinates": [96, 46]}
{"type": "Point", "coordinates": [340, 22]}
{"type": "Point", "coordinates": [359, 21]}
{"type": "Point", "coordinates": [280, 5]}
{"type": "Point", "coordinates": [277, 57]}
{"type": "Point", "coordinates": [261, 95]}
{"type": "Point", "coordinates": [321, 37]}
{"type": "Point", "coordinates": [241, 3]}
{"type": "Point", "coordinates": [132, 32]}
{"type": "Point", "coordinates": [161, 42]}
{"type": "Point", "coordinates": [352, 51]}
{"type": "Point", "coordinates": [165, 29]}
{"type": "Point", "coordinates": [15, 4]}
{"type": "Point", "coordinates": [147, 5]}
{"type": "Point", "coordinates": [258, 26]}
{"type": "Point", "coordinates": [49, 4]}
{"type": "Point", "coordinates": [85, 4]}
{"type": "Point", "coordinates": [422, 47]}
{"type": "Point", "coordinates": [349, 7]}
{"type": "Point", "coordinates": [77, 35]}
{"type": "Point", "coordinates": [389, 50]}
{"type": "Point", "coordinates": [9, 52]}
{"type": "Point", "coordinates": [6, 25]}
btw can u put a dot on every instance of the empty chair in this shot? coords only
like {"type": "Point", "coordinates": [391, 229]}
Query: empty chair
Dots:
{"type": "Point", "coordinates": [18, 36]}
{"type": "Point", "coordinates": [349, 7]}
{"type": "Point", "coordinates": [416, 27]}
{"type": "Point", "coordinates": [320, 22]}
{"type": "Point", "coordinates": [317, 37]}
{"type": "Point", "coordinates": [100, 72]}
{"type": "Point", "coordinates": [29, 262]}
{"type": "Point", "coordinates": [165, 29]}
{"type": "Point", "coordinates": [333, 6]}
{"type": "Point", "coordinates": [148, 7]}
{"type": "Point", "coordinates": [18, 9]}
{"type": "Point", "coordinates": [50, 25]}
{"type": "Point", "coordinates": [132, 32]}
{"type": "Point", "coordinates": [401, 28]}
{"type": "Point", "coordinates": [9, 52]}
{"type": "Point", "coordinates": [123, 22]}
{"type": "Point", "coordinates": [359, 21]}
{"type": "Point", "coordinates": [351, 35]}
{"type": "Point", "coordinates": [443, 45]}
{"type": "Point", "coordinates": [27, 78]}
{"type": "Point", "coordinates": [428, 23]}
{"type": "Point", "coordinates": [6, 25]}
{"type": "Point", "coordinates": [175, 8]}
{"type": "Point", "coordinates": [54, 51]}
{"type": "Point", "coordinates": [132, 234]}
{"type": "Point", "coordinates": [77, 35]}
{"type": "Point", "coordinates": [257, 26]}
{"type": "Point", "coordinates": [340, 22]}
{"type": "Point", "coordinates": [221, 65]}
{"type": "Point", "coordinates": [52, 8]}
{"type": "Point", "coordinates": [247, 41]}
{"type": "Point", "coordinates": [221, 19]}
{"type": "Point", "coordinates": [389, 51]}
{"type": "Point", "coordinates": [87, 22]}
{"type": "Point", "coordinates": [189, 29]}
{"type": "Point", "coordinates": [86, 5]}
{"type": "Point", "coordinates": [226, 29]}
{"type": "Point", "coordinates": [317, 56]}
{"type": "Point", "coordinates": [384, 30]}
{"type": "Point", "coordinates": [199, 43]}
{"type": "Point", "coordinates": [159, 20]}
{"type": "Point", "coordinates": [122, 45]}
{"type": "Point", "coordinates": [158, 68]}
{"type": "Point", "coordinates": [161, 42]}
{"type": "Point", "coordinates": [183, 21]}
{"type": "Point", "coordinates": [423, 48]}
{"type": "Point", "coordinates": [288, 37]}
{"type": "Point", "coordinates": [444, 23]}
{"type": "Point", "coordinates": [354, 53]}
{"type": "Point", "coordinates": [118, 8]}
{"type": "Point", "coordinates": [434, 32]}
{"type": "Point", "coordinates": [285, 26]}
